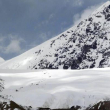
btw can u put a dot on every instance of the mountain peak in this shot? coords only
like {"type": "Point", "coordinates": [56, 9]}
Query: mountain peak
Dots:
{"type": "Point", "coordinates": [102, 7]}
{"type": "Point", "coordinates": [108, 2]}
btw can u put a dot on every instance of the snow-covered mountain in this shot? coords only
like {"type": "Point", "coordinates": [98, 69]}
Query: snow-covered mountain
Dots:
{"type": "Point", "coordinates": [57, 88]}
{"type": "Point", "coordinates": [86, 45]}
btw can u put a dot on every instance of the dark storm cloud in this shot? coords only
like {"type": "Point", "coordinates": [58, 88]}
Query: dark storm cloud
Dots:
{"type": "Point", "coordinates": [35, 21]}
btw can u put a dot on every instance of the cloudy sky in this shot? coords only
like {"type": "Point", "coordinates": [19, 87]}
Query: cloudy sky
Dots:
{"type": "Point", "coordinates": [25, 24]}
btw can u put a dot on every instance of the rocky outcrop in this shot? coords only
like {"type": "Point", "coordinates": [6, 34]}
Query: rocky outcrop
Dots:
{"type": "Point", "coordinates": [12, 106]}
{"type": "Point", "coordinates": [103, 105]}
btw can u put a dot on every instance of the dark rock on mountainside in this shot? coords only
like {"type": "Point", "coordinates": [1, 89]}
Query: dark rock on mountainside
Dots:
{"type": "Point", "coordinates": [103, 105]}
{"type": "Point", "coordinates": [12, 106]}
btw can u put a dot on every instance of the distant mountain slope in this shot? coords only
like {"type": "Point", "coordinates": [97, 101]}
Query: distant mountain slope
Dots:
{"type": "Point", "coordinates": [1, 60]}
{"type": "Point", "coordinates": [86, 45]}
{"type": "Point", "coordinates": [57, 88]}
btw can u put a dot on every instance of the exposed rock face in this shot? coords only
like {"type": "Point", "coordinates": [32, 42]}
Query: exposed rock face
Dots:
{"type": "Point", "coordinates": [86, 45]}
{"type": "Point", "coordinates": [103, 105]}
{"type": "Point", "coordinates": [12, 106]}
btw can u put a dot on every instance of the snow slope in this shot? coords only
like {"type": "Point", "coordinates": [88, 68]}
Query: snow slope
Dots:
{"type": "Point", "coordinates": [86, 45]}
{"type": "Point", "coordinates": [57, 88]}
{"type": "Point", "coordinates": [1, 60]}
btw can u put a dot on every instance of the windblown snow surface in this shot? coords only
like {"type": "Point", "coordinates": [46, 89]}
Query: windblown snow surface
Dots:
{"type": "Point", "coordinates": [56, 88]}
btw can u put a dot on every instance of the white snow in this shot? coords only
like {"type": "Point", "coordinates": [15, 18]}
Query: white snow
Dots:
{"type": "Point", "coordinates": [1, 60]}
{"type": "Point", "coordinates": [57, 88]}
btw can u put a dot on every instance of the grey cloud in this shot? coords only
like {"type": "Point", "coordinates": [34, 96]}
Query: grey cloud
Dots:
{"type": "Point", "coordinates": [11, 44]}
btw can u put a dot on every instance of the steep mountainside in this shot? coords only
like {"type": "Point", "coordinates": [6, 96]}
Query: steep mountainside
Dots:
{"type": "Point", "coordinates": [86, 45]}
